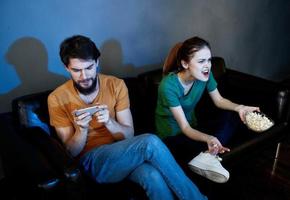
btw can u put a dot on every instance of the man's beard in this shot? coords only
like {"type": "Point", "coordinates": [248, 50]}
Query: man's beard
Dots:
{"type": "Point", "coordinates": [86, 91]}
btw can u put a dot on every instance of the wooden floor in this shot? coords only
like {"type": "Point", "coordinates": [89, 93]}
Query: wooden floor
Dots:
{"type": "Point", "coordinates": [262, 178]}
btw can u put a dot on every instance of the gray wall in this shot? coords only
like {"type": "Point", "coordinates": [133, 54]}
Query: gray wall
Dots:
{"type": "Point", "coordinates": [135, 36]}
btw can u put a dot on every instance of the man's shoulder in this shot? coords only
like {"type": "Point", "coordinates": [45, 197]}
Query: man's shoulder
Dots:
{"type": "Point", "coordinates": [109, 80]}
{"type": "Point", "coordinates": [61, 90]}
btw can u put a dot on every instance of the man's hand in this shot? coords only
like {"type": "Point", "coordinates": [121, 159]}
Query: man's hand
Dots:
{"type": "Point", "coordinates": [103, 115]}
{"type": "Point", "coordinates": [83, 120]}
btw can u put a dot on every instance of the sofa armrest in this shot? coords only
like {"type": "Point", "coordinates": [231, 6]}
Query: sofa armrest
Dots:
{"type": "Point", "coordinates": [270, 96]}
{"type": "Point", "coordinates": [22, 162]}
{"type": "Point", "coordinates": [59, 158]}
{"type": "Point", "coordinates": [31, 111]}
{"type": "Point", "coordinates": [256, 144]}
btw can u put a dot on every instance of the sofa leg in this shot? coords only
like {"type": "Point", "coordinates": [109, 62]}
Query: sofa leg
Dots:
{"type": "Point", "coordinates": [273, 172]}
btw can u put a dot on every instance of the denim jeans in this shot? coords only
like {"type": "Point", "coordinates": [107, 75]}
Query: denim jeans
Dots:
{"type": "Point", "coordinates": [144, 159]}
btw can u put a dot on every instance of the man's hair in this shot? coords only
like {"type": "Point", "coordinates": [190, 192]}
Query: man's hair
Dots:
{"type": "Point", "coordinates": [80, 47]}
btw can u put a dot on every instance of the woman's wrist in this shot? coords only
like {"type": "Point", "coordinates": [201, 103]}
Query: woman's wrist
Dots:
{"type": "Point", "coordinates": [238, 107]}
{"type": "Point", "coordinates": [209, 138]}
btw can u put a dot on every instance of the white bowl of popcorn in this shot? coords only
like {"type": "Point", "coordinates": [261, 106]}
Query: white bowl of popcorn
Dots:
{"type": "Point", "coordinates": [258, 122]}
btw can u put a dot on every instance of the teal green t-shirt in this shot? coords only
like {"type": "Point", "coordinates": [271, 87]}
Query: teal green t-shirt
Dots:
{"type": "Point", "coordinates": [171, 94]}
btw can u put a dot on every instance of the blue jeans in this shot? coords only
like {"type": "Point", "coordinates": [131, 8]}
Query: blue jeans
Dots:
{"type": "Point", "coordinates": [144, 159]}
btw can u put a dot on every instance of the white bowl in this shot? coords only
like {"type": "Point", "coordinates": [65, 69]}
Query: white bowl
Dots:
{"type": "Point", "coordinates": [258, 121]}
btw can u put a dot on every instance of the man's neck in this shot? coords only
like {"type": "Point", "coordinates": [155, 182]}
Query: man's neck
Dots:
{"type": "Point", "coordinates": [89, 98]}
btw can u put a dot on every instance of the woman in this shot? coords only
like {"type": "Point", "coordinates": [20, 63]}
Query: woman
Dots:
{"type": "Point", "coordinates": [187, 75]}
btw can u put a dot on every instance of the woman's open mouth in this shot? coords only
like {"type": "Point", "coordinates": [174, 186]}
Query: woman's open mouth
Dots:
{"type": "Point", "coordinates": [205, 71]}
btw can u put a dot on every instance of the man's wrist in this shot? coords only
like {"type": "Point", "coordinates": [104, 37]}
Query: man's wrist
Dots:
{"type": "Point", "coordinates": [83, 129]}
{"type": "Point", "coordinates": [109, 122]}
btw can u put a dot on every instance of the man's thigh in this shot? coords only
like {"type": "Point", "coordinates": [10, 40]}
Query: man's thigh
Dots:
{"type": "Point", "coordinates": [114, 162]}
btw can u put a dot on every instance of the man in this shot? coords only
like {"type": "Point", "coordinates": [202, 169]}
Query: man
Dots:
{"type": "Point", "coordinates": [103, 142]}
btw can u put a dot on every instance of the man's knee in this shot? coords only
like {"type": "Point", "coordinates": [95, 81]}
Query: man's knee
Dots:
{"type": "Point", "coordinates": [151, 145]}
{"type": "Point", "coordinates": [152, 140]}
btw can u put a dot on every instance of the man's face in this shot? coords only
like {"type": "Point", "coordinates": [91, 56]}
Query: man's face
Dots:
{"type": "Point", "coordinates": [83, 74]}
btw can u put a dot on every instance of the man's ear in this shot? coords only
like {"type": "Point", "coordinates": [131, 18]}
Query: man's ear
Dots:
{"type": "Point", "coordinates": [66, 67]}
{"type": "Point", "coordinates": [184, 64]}
{"type": "Point", "coordinates": [98, 66]}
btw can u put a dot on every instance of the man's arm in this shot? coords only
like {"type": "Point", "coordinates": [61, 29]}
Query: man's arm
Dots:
{"type": "Point", "coordinates": [75, 140]}
{"type": "Point", "coordinates": [122, 127]}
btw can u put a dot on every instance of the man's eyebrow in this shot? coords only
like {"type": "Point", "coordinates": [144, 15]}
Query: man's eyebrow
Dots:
{"type": "Point", "coordinates": [75, 68]}
{"type": "Point", "coordinates": [90, 65]}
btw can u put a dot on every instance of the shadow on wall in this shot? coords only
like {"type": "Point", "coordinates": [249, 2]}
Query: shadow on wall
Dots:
{"type": "Point", "coordinates": [111, 61]}
{"type": "Point", "coordinates": [29, 57]}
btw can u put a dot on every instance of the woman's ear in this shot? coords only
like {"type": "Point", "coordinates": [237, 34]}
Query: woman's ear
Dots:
{"type": "Point", "coordinates": [184, 64]}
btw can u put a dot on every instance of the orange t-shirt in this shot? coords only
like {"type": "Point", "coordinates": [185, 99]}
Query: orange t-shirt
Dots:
{"type": "Point", "coordinates": [65, 99]}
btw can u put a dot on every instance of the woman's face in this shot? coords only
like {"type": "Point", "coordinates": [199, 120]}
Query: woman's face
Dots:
{"type": "Point", "coordinates": [199, 66]}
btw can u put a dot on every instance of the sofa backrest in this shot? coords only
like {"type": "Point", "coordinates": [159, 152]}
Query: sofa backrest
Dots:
{"type": "Point", "coordinates": [32, 111]}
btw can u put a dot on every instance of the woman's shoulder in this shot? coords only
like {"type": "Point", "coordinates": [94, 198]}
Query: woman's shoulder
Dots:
{"type": "Point", "coordinates": [170, 78]}
{"type": "Point", "coordinates": [169, 82]}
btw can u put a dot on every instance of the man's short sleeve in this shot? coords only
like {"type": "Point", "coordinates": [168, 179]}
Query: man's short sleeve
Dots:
{"type": "Point", "coordinates": [122, 96]}
{"type": "Point", "coordinates": [57, 114]}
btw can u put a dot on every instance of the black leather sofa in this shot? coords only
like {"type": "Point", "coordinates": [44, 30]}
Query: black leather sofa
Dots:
{"type": "Point", "coordinates": [34, 159]}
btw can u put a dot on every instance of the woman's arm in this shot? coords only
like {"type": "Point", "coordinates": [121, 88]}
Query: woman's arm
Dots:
{"type": "Point", "coordinates": [213, 143]}
{"type": "Point", "coordinates": [226, 104]}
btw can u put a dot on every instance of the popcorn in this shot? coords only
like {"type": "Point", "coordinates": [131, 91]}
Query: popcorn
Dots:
{"type": "Point", "coordinates": [258, 122]}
